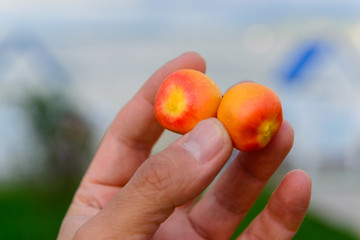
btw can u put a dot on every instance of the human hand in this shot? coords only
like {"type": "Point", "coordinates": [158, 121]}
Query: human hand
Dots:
{"type": "Point", "coordinates": [125, 194]}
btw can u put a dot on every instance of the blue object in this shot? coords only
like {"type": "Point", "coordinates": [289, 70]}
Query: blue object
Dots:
{"type": "Point", "coordinates": [302, 62]}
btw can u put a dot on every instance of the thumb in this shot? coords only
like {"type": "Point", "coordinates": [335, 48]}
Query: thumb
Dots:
{"type": "Point", "coordinates": [166, 180]}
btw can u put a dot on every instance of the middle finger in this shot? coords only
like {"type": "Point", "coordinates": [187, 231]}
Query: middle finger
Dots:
{"type": "Point", "coordinates": [219, 212]}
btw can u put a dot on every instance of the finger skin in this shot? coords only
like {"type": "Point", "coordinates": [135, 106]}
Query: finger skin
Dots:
{"type": "Point", "coordinates": [165, 181]}
{"type": "Point", "coordinates": [129, 139]}
{"type": "Point", "coordinates": [285, 210]}
{"type": "Point", "coordinates": [220, 211]}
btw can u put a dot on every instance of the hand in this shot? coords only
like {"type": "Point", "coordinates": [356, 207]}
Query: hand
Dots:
{"type": "Point", "coordinates": [125, 194]}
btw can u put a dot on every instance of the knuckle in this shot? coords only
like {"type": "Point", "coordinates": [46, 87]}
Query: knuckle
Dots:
{"type": "Point", "coordinates": [157, 173]}
{"type": "Point", "coordinates": [230, 204]}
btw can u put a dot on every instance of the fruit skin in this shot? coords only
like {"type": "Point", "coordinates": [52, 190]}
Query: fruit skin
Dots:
{"type": "Point", "coordinates": [185, 98]}
{"type": "Point", "coordinates": [252, 114]}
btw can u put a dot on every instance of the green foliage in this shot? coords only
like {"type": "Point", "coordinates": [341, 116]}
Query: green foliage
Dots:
{"type": "Point", "coordinates": [62, 134]}
{"type": "Point", "coordinates": [33, 212]}
{"type": "Point", "coordinates": [33, 204]}
{"type": "Point", "coordinates": [313, 227]}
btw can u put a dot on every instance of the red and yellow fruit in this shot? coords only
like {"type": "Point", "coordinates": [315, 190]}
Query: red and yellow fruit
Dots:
{"type": "Point", "coordinates": [185, 98]}
{"type": "Point", "coordinates": [252, 114]}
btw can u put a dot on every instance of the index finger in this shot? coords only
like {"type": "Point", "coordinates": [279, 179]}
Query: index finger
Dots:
{"type": "Point", "coordinates": [130, 137]}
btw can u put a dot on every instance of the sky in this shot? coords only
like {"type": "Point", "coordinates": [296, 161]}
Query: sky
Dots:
{"type": "Point", "coordinates": [183, 12]}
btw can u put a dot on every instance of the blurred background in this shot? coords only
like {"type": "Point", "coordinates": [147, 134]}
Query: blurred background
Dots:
{"type": "Point", "coordinates": [67, 67]}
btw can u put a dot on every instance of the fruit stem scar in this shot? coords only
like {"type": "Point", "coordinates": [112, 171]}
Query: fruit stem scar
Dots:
{"type": "Point", "coordinates": [176, 102]}
{"type": "Point", "coordinates": [266, 131]}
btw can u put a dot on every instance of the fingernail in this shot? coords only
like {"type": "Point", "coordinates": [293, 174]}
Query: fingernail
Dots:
{"type": "Point", "coordinates": [205, 140]}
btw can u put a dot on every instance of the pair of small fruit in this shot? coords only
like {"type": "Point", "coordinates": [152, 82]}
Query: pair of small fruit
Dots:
{"type": "Point", "coordinates": [250, 112]}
